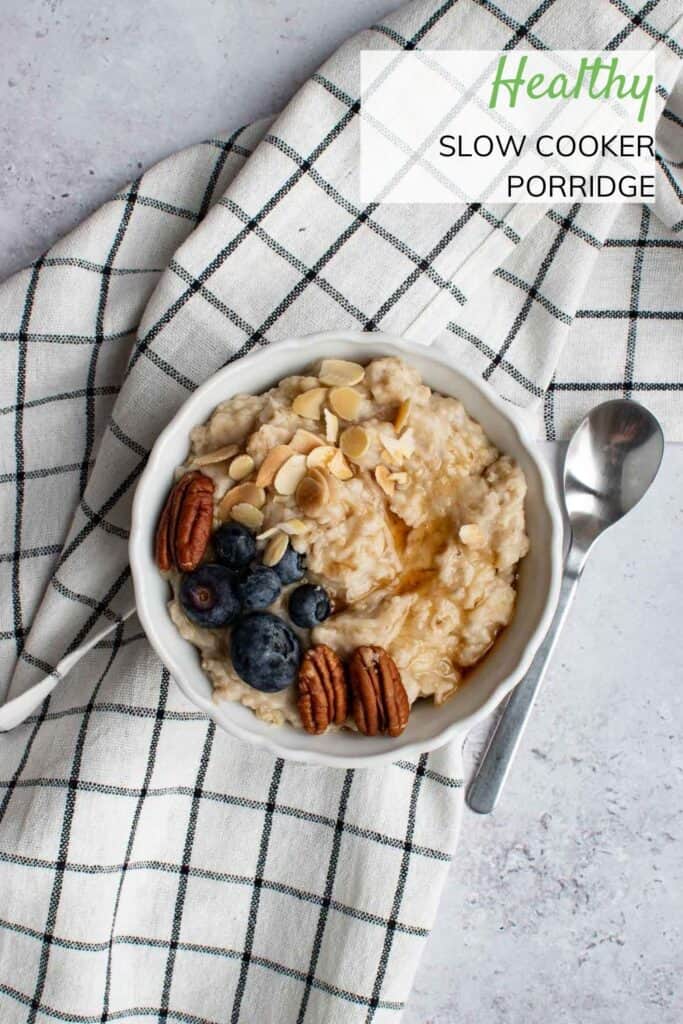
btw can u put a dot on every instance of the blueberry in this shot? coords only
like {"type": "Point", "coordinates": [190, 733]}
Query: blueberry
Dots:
{"type": "Point", "coordinates": [265, 651]}
{"type": "Point", "coordinates": [309, 605]}
{"type": "Point", "coordinates": [234, 545]}
{"type": "Point", "coordinates": [291, 566]}
{"type": "Point", "coordinates": [209, 596]}
{"type": "Point", "coordinates": [260, 588]}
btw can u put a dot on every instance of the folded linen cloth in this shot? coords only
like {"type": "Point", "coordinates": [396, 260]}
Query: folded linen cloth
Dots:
{"type": "Point", "coordinates": [150, 865]}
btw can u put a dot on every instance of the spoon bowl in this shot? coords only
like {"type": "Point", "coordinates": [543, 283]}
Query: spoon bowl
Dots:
{"type": "Point", "coordinates": [611, 461]}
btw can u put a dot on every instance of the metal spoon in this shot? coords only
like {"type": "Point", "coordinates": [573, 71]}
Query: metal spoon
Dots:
{"type": "Point", "coordinates": [611, 461]}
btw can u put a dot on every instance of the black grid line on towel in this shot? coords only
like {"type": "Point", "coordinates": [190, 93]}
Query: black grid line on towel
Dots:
{"type": "Point", "coordinates": [22, 354]}
{"type": "Point", "coordinates": [64, 839]}
{"type": "Point", "coordinates": [532, 292]}
{"type": "Point", "coordinates": [184, 871]}
{"type": "Point", "coordinates": [99, 335]}
{"type": "Point", "coordinates": [327, 894]}
{"type": "Point", "coordinates": [99, 707]}
{"type": "Point", "coordinates": [638, 260]}
{"type": "Point", "coordinates": [399, 891]}
{"type": "Point", "coordinates": [275, 781]}
{"type": "Point", "coordinates": [149, 768]}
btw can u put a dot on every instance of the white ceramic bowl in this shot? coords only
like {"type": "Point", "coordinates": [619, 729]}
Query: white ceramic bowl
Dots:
{"type": "Point", "coordinates": [429, 726]}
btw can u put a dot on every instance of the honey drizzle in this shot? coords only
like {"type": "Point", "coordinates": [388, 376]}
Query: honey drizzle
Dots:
{"type": "Point", "coordinates": [414, 578]}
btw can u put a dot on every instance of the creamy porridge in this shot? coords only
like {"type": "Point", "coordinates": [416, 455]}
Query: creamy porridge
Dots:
{"type": "Point", "coordinates": [384, 504]}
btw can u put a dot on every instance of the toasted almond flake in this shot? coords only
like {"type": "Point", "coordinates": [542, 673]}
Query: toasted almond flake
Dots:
{"type": "Point", "coordinates": [240, 467]}
{"type": "Point", "coordinates": [321, 456]}
{"type": "Point", "coordinates": [275, 549]}
{"type": "Point", "coordinates": [402, 415]}
{"type": "Point", "coordinates": [345, 402]}
{"type": "Point", "coordinates": [248, 493]}
{"type": "Point", "coordinates": [313, 493]}
{"type": "Point", "coordinates": [294, 527]}
{"type": "Point", "coordinates": [331, 426]}
{"type": "Point", "coordinates": [272, 462]}
{"type": "Point", "coordinates": [395, 457]}
{"type": "Point", "coordinates": [471, 535]}
{"type": "Point", "coordinates": [407, 439]}
{"type": "Point", "coordinates": [219, 455]}
{"type": "Point", "coordinates": [383, 478]}
{"type": "Point", "coordinates": [309, 403]}
{"type": "Point", "coordinates": [399, 448]}
{"type": "Point", "coordinates": [338, 372]}
{"type": "Point", "coordinates": [319, 474]}
{"type": "Point", "coordinates": [399, 478]}
{"type": "Point", "coordinates": [268, 533]}
{"type": "Point", "coordinates": [289, 474]}
{"type": "Point", "coordinates": [247, 515]}
{"type": "Point", "coordinates": [304, 441]}
{"type": "Point", "coordinates": [354, 442]}
{"type": "Point", "coordinates": [339, 467]}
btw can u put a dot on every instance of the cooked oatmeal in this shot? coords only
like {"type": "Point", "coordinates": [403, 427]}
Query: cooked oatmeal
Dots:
{"type": "Point", "coordinates": [411, 521]}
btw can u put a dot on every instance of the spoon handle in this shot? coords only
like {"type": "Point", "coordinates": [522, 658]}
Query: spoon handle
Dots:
{"type": "Point", "coordinates": [494, 766]}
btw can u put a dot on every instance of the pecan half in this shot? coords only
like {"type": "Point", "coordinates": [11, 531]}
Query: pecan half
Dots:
{"type": "Point", "coordinates": [379, 700]}
{"type": "Point", "coordinates": [185, 524]}
{"type": "Point", "coordinates": [322, 698]}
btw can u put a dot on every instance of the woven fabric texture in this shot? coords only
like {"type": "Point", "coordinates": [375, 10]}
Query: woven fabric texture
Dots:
{"type": "Point", "coordinates": [152, 867]}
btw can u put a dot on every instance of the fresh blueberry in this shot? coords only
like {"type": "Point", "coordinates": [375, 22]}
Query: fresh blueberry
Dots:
{"type": "Point", "coordinates": [265, 651]}
{"type": "Point", "coordinates": [259, 589]}
{"type": "Point", "coordinates": [291, 566]}
{"type": "Point", "coordinates": [209, 596]}
{"type": "Point", "coordinates": [309, 605]}
{"type": "Point", "coordinates": [234, 545]}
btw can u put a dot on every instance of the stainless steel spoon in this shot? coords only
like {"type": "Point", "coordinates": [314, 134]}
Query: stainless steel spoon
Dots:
{"type": "Point", "coordinates": [611, 461]}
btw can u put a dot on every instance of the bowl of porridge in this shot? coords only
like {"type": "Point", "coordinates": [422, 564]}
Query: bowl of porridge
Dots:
{"type": "Point", "coordinates": [345, 550]}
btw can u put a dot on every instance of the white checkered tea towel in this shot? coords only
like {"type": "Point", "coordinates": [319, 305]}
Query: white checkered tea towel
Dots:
{"type": "Point", "coordinates": [152, 867]}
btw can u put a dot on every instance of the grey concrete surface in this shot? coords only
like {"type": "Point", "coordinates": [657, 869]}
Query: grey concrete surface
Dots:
{"type": "Point", "coordinates": [567, 904]}
{"type": "Point", "coordinates": [90, 93]}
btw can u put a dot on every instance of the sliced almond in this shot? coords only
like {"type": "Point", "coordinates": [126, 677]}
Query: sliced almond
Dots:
{"type": "Point", "coordinates": [313, 493]}
{"type": "Point", "coordinates": [339, 467]}
{"type": "Point", "coordinates": [319, 474]}
{"type": "Point", "coordinates": [407, 440]}
{"type": "Point", "coordinates": [294, 527]}
{"type": "Point", "coordinates": [383, 478]}
{"type": "Point", "coordinates": [345, 402]}
{"type": "Point", "coordinates": [338, 372]}
{"type": "Point", "coordinates": [331, 426]}
{"type": "Point", "coordinates": [248, 493]}
{"type": "Point", "coordinates": [399, 478]}
{"type": "Point", "coordinates": [321, 456]}
{"type": "Point", "coordinates": [289, 474]}
{"type": "Point", "coordinates": [354, 442]}
{"type": "Point", "coordinates": [309, 403]}
{"type": "Point", "coordinates": [275, 549]}
{"type": "Point", "coordinates": [219, 455]}
{"type": "Point", "coordinates": [240, 467]}
{"type": "Point", "coordinates": [304, 441]}
{"type": "Point", "coordinates": [395, 455]}
{"type": "Point", "coordinates": [399, 448]}
{"type": "Point", "coordinates": [268, 533]}
{"type": "Point", "coordinates": [247, 515]}
{"type": "Point", "coordinates": [402, 415]}
{"type": "Point", "coordinates": [471, 535]}
{"type": "Point", "coordinates": [272, 462]}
